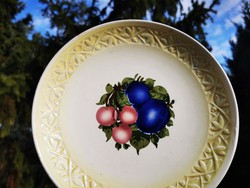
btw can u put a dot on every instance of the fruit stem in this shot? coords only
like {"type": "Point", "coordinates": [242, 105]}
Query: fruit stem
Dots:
{"type": "Point", "coordinates": [108, 98]}
{"type": "Point", "coordinates": [118, 87]}
{"type": "Point", "coordinates": [136, 76]}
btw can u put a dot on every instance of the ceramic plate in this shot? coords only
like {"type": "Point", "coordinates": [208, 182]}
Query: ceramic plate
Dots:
{"type": "Point", "coordinates": [135, 104]}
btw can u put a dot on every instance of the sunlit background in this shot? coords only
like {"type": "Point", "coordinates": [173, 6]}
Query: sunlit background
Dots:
{"type": "Point", "coordinates": [219, 30]}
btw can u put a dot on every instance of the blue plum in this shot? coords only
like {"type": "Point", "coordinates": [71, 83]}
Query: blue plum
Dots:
{"type": "Point", "coordinates": [153, 116]}
{"type": "Point", "coordinates": [137, 93]}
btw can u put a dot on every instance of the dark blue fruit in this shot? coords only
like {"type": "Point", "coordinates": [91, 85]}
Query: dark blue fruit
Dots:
{"type": "Point", "coordinates": [138, 93]}
{"type": "Point", "coordinates": [153, 116]}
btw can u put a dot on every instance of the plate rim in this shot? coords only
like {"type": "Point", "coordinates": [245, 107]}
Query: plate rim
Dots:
{"type": "Point", "coordinates": [233, 145]}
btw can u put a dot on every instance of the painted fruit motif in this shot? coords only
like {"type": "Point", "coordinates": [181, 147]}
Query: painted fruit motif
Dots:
{"type": "Point", "coordinates": [106, 116]}
{"type": "Point", "coordinates": [128, 115]}
{"type": "Point", "coordinates": [135, 113]}
{"type": "Point", "coordinates": [153, 116]}
{"type": "Point", "coordinates": [122, 133]}
{"type": "Point", "coordinates": [138, 93]}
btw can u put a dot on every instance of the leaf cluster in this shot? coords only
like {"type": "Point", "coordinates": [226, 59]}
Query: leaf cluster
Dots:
{"type": "Point", "coordinates": [115, 97]}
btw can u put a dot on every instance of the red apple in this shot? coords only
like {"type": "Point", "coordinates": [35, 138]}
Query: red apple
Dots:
{"type": "Point", "coordinates": [122, 134]}
{"type": "Point", "coordinates": [128, 115]}
{"type": "Point", "coordinates": [106, 115]}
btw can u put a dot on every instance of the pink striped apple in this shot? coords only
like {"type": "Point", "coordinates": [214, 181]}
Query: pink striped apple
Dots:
{"type": "Point", "coordinates": [106, 116]}
{"type": "Point", "coordinates": [128, 115]}
{"type": "Point", "coordinates": [122, 134]}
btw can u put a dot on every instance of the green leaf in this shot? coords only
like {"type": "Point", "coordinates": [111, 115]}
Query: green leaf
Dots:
{"type": "Point", "coordinates": [134, 127]}
{"type": "Point", "coordinates": [172, 114]}
{"type": "Point", "coordinates": [109, 88]}
{"type": "Point", "coordinates": [154, 139]}
{"type": "Point", "coordinates": [160, 93]}
{"type": "Point", "coordinates": [127, 81]}
{"type": "Point", "coordinates": [160, 90]}
{"type": "Point", "coordinates": [126, 146]}
{"type": "Point", "coordinates": [150, 82]}
{"type": "Point", "coordinates": [107, 131]}
{"type": "Point", "coordinates": [103, 99]}
{"type": "Point", "coordinates": [118, 146]}
{"type": "Point", "coordinates": [163, 133]}
{"type": "Point", "coordinates": [122, 99]}
{"type": "Point", "coordinates": [139, 140]}
{"type": "Point", "coordinates": [155, 95]}
{"type": "Point", "coordinates": [170, 123]}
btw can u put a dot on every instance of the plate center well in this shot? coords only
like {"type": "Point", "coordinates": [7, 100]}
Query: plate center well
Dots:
{"type": "Point", "coordinates": [153, 167]}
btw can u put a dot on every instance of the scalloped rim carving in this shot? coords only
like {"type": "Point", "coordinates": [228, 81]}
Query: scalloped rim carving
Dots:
{"type": "Point", "coordinates": [223, 131]}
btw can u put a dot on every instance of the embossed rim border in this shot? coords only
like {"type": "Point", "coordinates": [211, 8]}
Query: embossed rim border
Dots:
{"type": "Point", "coordinates": [198, 176]}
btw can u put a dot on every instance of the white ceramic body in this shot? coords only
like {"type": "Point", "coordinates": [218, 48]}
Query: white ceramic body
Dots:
{"type": "Point", "coordinates": [73, 150]}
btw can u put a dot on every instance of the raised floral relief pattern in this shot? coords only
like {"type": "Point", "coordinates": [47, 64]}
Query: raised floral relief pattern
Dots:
{"type": "Point", "coordinates": [218, 139]}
